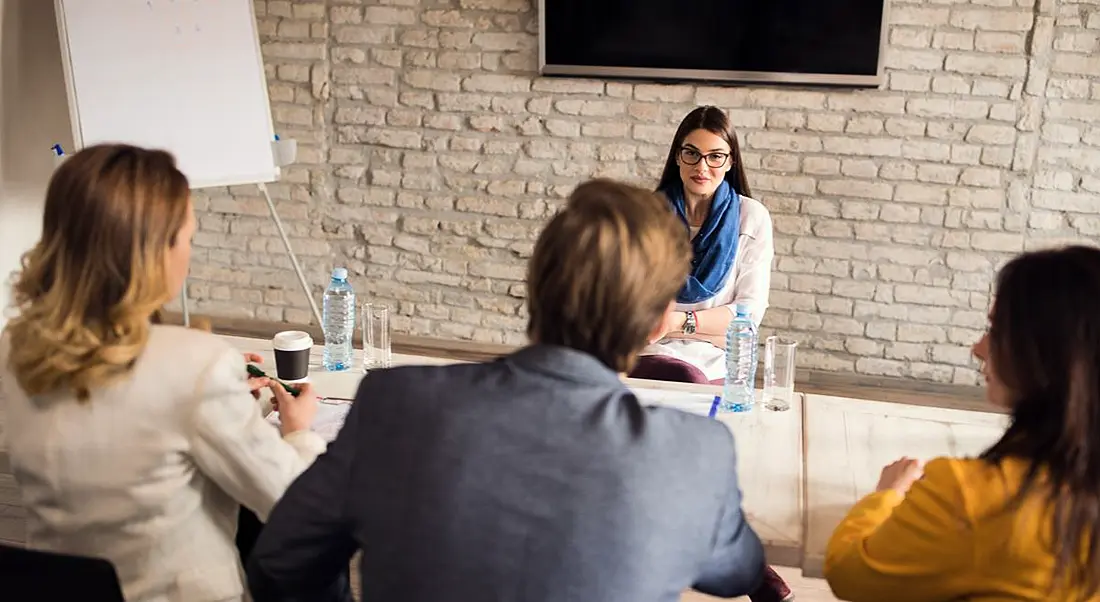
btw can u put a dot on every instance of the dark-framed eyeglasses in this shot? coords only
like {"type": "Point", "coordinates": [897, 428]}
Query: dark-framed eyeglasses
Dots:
{"type": "Point", "coordinates": [692, 156]}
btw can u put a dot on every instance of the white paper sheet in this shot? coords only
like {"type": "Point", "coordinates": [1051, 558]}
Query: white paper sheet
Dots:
{"type": "Point", "coordinates": [328, 421]}
{"type": "Point", "coordinates": [330, 416]}
{"type": "Point", "coordinates": [695, 403]}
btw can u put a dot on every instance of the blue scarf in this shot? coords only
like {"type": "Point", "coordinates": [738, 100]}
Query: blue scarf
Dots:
{"type": "Point", "coordinates": [715, 247]}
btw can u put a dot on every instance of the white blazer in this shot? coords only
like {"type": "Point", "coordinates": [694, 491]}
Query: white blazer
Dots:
{"type": "Point", "coordinates": [749, 283]}
{"type": "Point", "coordinates": [149, 472]}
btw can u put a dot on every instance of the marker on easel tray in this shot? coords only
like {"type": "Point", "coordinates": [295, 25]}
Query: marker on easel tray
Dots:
{"type": "Point", "coordinates": [714, 406]}
{"type": "Point", "coordinates": [285, 151]}
{"type": "Point", "coordinates": [58, 154]}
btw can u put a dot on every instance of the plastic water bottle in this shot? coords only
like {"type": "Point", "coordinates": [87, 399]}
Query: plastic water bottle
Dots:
{"type": "Point", "coordinates": [739, 392]}
{"type": "Point", "coordinates": [339, 316]}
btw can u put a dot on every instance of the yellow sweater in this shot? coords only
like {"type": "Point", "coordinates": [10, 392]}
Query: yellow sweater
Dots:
{"type": "Point", "coordinates": [948, 539]}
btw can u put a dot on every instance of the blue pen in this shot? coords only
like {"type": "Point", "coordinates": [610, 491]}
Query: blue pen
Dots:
{"type": "Point", "coordinates": [714, 406]}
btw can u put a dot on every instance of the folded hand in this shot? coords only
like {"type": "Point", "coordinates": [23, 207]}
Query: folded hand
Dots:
{"type": "Point", "coordinates": [900, 475]}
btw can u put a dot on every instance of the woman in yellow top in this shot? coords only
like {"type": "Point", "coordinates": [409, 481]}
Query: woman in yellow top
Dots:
{"type": "Point", "coordinates": [1022, 522]}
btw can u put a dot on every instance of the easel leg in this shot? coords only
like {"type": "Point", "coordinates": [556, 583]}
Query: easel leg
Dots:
{"type": "Point", "coordinates": [293, 257]}
{"type": "Point", "coordinates": [183, 302]}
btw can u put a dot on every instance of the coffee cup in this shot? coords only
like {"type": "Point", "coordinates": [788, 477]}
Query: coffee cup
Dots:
{"type": "Point", "coordinates": [292, 349]}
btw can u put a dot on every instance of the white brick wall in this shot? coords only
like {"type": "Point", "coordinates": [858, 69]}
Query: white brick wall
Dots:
{"type": "Point", "coordinates": [432, 154]}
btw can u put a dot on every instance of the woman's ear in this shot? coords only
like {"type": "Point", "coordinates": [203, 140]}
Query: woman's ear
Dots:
{"type": "Point", "coordinates": [200, 323]}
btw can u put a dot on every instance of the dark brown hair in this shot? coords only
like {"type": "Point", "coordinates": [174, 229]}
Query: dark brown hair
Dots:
{"type": "Point", "coordinates": [604, 271]}
{"type": "Point", "coordinates": [715, 121]}
{"type": "Point", "coordinates": [87, 290]}
{"type": "Point", "coordinates": [1044, 339]}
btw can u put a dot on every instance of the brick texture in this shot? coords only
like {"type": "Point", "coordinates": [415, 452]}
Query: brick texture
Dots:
{"type": "Point", "coordinates": [432, 153]}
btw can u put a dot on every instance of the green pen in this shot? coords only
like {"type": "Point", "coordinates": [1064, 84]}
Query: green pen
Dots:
{"type": "Point", "coordinates": [255, 372]}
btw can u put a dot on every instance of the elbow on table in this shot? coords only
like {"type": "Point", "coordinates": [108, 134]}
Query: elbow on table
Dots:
{"type": "Point", "coordinates": [842, 582]}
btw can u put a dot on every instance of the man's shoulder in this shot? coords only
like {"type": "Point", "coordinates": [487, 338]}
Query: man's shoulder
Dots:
{"type": "Point", "coordinates": [439, 372]}
{"type": "Point", "coordinates": [697, 433]}
{"type": "Point", "coordinates": [414, 381]}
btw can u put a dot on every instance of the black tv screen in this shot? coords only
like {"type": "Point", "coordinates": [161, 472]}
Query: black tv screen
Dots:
{"type": "Point", "coordinates": [795, 41]}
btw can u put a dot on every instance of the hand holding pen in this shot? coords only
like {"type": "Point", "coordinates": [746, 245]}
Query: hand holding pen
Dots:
{"type": "Point", "coordinates": [254, 372]}
{"type": "Point", "coordinates": [296, 412]}
{"type": "Point", "coordinates": [296, 405]}
{"type": "Point", "coordinates": [257, 380]}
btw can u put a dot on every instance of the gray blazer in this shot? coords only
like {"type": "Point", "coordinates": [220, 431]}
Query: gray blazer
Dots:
{"type": "Point", "coordinates": [537, 477]}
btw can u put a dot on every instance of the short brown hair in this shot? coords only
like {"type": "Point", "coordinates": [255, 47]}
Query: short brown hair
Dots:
{"type": "Point", "coordinates": [604, 271]}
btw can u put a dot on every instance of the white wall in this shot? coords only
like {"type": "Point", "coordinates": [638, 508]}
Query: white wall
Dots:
{"type": "Point", "coordinates": [34, 115]}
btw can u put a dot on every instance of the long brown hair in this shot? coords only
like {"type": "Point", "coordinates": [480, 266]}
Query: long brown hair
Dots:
{"type": "Point", "coordinates": [87, 290]}
{"type": "Point", "coordinates": [604, 271]}
{"type": "Point", "coordinates": [1044, 339]}
{"type": "Point", "coordinates": [715, 121]}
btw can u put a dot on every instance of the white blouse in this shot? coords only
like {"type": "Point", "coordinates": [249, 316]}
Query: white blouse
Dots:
{"type": "Point", "coordinates": [747, 283]}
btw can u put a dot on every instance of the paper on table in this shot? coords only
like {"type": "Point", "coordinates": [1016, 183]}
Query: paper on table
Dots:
{"type": "Point", "coordinates": [694, 403]}
{"type": "Point", "coordinates": [328, 421]}
{"type": "Point", "coordinates": [330, 416]}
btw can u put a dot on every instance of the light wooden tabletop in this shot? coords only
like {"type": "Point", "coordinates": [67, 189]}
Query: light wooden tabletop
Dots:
{"type": "Point", "coordinates": [800, 470]}
{"type": "Point", "coordinates": [848, 441]}
{"type": "Point", "coordinates": [769, 444]}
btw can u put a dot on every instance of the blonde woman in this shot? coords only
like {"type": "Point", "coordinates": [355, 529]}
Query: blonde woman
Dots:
{"type": "Point", "coordinates": [131, 441]}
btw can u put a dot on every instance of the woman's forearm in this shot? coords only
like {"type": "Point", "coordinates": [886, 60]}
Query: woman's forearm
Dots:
{"type": "Point", "coordinates": [716, 340]}
{"type": "Point", "coordinates": [710, 326]}
{"type": "Point", "coordinates": [713, 322]}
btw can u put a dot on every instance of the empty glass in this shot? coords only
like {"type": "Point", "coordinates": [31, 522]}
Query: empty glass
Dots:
{"type": "Point", "coordinates": [778, 373]}
{"type": "Point", "coordinates": [376, 337]}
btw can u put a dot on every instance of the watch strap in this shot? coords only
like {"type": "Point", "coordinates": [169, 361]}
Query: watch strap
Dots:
{"type": "Point", "coordinates": [690, 323]}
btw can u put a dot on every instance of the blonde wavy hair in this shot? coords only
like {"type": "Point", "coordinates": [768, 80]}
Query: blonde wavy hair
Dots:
{"type": "Point", "coordinates": [86, 292]}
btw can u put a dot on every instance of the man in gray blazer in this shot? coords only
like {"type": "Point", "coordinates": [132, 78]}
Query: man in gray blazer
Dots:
{"type": "Point", "coordinates": [537, 477]}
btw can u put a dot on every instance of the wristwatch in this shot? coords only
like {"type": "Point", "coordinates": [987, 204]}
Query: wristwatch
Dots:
{"type": "Point", "coordinates": [689, 323]}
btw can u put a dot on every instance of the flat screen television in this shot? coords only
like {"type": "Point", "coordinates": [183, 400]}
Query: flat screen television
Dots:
{"type": "Point", "coordinates": [827, 42]}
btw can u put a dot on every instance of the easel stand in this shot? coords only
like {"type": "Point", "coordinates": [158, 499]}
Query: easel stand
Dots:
{"type": "Point", "coordinates": [285, 152]}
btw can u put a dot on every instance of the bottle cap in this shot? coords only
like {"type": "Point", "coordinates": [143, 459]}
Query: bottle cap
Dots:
{"type": "Point", "coordinates": [340, 274]}
{"type": "Point", "coordinates": [742, 309]}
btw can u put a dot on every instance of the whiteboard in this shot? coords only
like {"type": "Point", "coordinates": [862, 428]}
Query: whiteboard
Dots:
{"type": "Point", "coordinates": [185, 76]}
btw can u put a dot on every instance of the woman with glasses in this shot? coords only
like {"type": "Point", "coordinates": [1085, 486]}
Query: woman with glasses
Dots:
{"type": "Point", "coordinates": [731, 243]}
{"type": "Point", "coordinates": [731, 240]}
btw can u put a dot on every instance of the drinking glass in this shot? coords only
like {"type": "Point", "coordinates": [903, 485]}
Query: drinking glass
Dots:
{"type": "Point", "coordinates": [778, 373]}
{"type": "Point", "coordinates": [376, 337]}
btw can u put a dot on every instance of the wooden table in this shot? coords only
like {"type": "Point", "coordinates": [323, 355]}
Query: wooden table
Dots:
{"type": "Point", "coordinates": [335, 384]}
{"type": "Point", "coordinates": [769, 444]}
{"type": "Point", "coordinates": [800, 470]}
{"type": "Point", "coordinates": [848, 441]}
{"type": "Point", "coordinates": [769, 461]}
